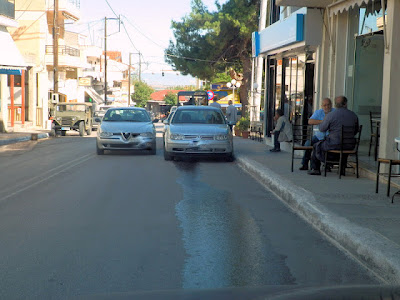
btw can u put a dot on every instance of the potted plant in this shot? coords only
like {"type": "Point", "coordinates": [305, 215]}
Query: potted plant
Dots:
{"type": "Point", "coordinates": [243, 125]}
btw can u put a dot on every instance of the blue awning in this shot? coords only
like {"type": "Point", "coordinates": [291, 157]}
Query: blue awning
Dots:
{"type": "Point", "coordinates": [8, 71]}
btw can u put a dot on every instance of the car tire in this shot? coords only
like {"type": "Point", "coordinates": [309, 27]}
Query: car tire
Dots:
{"type": "Point", "coordinates": [153, 150]}
{"type": "Point", "coordinates": [167, 155]}
{"type": "Point", "coordinates": [63, 132]}
{"type": "Point", "coordinates": [81, 128]}
{"type": "Point", "coordinates": [99, 151]}
{"type": "Point", "coordinates": [230, 157]}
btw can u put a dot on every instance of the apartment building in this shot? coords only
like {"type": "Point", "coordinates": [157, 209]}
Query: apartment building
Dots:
{"type": "Point", "coordinates": [12, 71]}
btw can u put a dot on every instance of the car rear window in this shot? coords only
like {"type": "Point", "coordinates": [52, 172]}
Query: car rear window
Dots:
{"type": "Point", "coordinates": [198, 116]}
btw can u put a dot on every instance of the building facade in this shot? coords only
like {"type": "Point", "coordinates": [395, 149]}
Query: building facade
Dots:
{"type": "Point", "coordinates": [12, 71]}
{"type": "Point", "coordinates": [356, 56]}
{"type": "Point", "coordinates": [34, 39]}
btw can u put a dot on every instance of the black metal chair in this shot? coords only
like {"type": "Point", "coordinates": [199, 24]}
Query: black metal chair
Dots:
{"type": "Point", "coordinates": [374, 120]}
{"type": "Point", "coordinates": [301, 134]}
{"type": "Point", "coordinates": [391, 162]}
{"type": "Point", "coordinates": [349, 143]}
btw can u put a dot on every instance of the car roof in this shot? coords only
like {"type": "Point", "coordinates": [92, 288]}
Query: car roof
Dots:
{"type": "Point", "coordinates": [129, 108]}
{"type": "Point", "coordinates": [196, 107]}
{"type": "Point", "coordinates": [74, 103]}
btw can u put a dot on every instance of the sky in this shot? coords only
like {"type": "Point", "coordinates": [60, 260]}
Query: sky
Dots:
{"type": "Point", "coordinates": [148, 30]}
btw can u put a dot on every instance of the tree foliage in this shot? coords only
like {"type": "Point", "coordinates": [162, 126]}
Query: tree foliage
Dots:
{"type": "Point", "coordinates": [170, 98]}
{"type": "Point", "coordinates": [207, 43]}
{"type": "Point", "coordinates": [142, 93]}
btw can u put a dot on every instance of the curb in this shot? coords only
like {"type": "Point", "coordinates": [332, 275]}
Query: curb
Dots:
{"type": "Point", "coordinates": [23, 139]}
{"type": "Point", "coordinates": [374, 251]}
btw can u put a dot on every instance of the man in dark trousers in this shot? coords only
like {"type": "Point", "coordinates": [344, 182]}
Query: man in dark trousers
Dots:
{"type": "Point", "coordinates": [333, 123]}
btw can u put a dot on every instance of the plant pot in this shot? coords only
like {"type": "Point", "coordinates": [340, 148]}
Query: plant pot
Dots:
{"type": "Point", "coordinates": [245, 134]}
{"type": "Point", "coordinates": [237, 132]}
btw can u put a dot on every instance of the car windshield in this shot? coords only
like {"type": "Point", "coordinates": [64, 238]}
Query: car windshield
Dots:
{"type": "Point", "coordinates": [198, 116]}
{"type": "Point", "coordinates": [126, 115]}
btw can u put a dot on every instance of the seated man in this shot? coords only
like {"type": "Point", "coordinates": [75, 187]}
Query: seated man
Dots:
{"type": "Point", "coordinates": [282, 131]}
{"type": "Point", "coordinates": [316, 119]}
{"type": "Point", "coordinates": [333, 122]}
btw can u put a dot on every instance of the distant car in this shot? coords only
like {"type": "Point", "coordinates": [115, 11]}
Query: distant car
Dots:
{"type": "Point", "coordinates": [198, 130]}
{"type": "Point", "coordinates": [129, 128]}
{"type": "Point", "coordinates": [99, 114]}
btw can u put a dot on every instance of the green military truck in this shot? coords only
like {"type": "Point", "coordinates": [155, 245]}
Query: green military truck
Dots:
{"type": "Point", "coordinates": [73, 116]}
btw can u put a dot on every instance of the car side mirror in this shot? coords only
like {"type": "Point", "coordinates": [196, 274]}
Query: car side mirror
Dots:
{"type": "Point", "coordinates": [156, 120]}
{"type": "Point", "coordinates": [98, 120]}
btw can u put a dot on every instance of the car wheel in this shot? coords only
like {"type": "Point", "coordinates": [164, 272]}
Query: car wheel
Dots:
{"type": "Point", "coordinates": [230, 157]}
{"type": "Point", "coordinates": [63, 132]}
{"type": "Point", "coordinates": [167, 155]}
{"type": "Point", "coordinates": [81, 128]}
{"type": "Point", "coordinates": [153, 150]}
{"type": "Point", "coordinates": [99, 151]}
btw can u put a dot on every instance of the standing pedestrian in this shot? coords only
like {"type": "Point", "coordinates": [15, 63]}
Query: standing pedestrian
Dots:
{"type": "Point", "coordinates": [231, 114]}
{"type": "Point", "coordinates": [215, 103]}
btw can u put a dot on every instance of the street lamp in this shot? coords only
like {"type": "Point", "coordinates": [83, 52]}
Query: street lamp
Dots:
{"type": "Point", "coordinates": [234, 84]}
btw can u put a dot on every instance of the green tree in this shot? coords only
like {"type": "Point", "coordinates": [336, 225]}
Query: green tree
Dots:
{"type": "Point", "coordinates": [207, 43]}
{"type": "Point", "coordinates": [142, 93]}
{"type": "Point", "coordinates": [170, 98]}
{"type": "Point", "coordinates": [221, 77]}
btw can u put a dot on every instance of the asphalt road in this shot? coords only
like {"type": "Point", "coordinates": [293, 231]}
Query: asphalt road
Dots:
{"type": "Point", "coordinates": [75, 224]}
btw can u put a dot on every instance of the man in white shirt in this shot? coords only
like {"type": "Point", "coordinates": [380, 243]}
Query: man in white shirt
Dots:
{"type": "Point", "coordinates": [215, 103]}
{"type": "Point", "coordinates": [231, 114]}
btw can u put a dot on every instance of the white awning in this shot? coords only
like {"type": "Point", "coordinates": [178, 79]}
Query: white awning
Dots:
{"type": "Point", "coordinates": [10, 57]}
{"type": "Point", "coordinates": [341, 6]}
{"type": "Point", "coordinates": [304, 3]}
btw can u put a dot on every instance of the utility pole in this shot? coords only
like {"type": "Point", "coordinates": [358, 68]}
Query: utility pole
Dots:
{"type": "Point", "coordinates": [105, 60]}
{"type": "Point", "coordinates": [105, 53]}
{"type": "Point", "coordinates": [55, 47]}
{"type": "Point", "coordinates": [140, 68]}
{"type": "Point", "coordinates": [129, 80]}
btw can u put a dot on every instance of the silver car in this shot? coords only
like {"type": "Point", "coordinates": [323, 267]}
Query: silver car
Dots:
{"type": "Point", "coordinates": [129, 128]}
{"type": "Point", "coordinates": [198, 130]}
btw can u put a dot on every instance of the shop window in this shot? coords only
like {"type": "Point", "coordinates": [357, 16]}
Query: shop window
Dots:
{"type": "Point", "coordinates": [17, 80]}
{"type": "Point", "coordinates": [275, 12]}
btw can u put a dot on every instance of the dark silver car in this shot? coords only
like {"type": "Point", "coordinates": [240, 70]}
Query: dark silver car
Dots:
{"type": "Point", "coordinates": [129, 128]}
{"type": "Point", "coordinates": [198, 130]}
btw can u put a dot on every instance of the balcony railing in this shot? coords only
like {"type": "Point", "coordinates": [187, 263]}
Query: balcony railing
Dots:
{"type": "Point", "coordinates": [7, 8]}
{"type": "Point", "coordinates": [63, 50]}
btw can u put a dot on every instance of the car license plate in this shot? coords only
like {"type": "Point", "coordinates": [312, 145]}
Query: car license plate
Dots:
{"type": "Point", "coordinates": [65, 128]}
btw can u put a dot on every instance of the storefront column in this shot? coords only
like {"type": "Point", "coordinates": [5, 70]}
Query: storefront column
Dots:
{"type": "Point", "coordinates": [23, 96]}
{"type": "Point", "coordinates": [390, 123]}
{"type": "Point", "coordinates": [4, 102]}
{"type": "Point", "coordinates": [340, 63]}
{"type": "Point", "coordinates": [12, 100]}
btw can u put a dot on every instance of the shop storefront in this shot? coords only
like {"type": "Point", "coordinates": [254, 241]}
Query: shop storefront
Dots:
{"type": "Point", "coordinates": [290, 49]}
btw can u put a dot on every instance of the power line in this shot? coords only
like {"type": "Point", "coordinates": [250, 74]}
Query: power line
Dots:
{"type": "Point", "coordinates": [129, 37]}
{"type": "Point", "coordinates": [111, 8]}
{"type": "Point", "coordinates": [172, 55]}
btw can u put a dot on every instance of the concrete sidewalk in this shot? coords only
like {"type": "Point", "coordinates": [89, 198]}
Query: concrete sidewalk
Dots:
{"type": "Point", "coordinates": [347, 210]}
{"type": "Point", "coordinates": [15, 137]}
